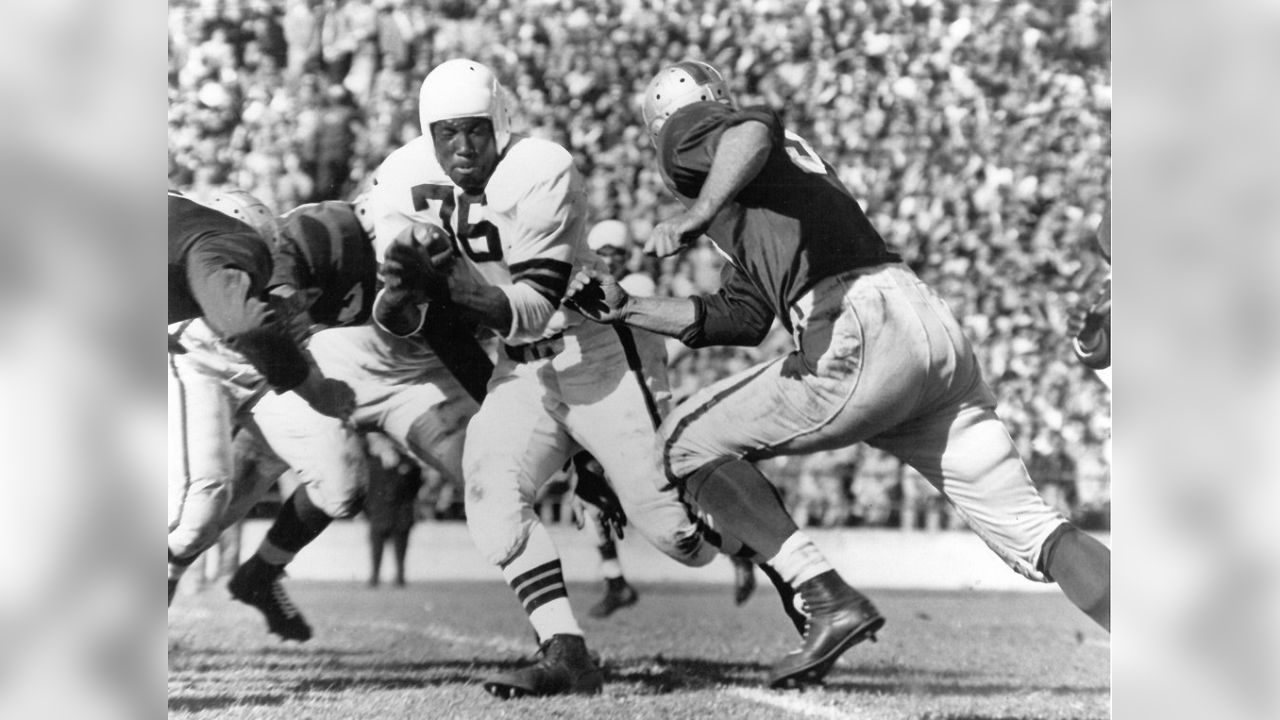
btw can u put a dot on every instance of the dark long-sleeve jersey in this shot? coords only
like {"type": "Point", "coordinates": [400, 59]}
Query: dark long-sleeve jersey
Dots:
{"type": "Point", "coordinates": [203, 242]}
{"type": "Point", "coordinates": [323, 246]}
{"type": "Point", "coordinates": [793, 225]}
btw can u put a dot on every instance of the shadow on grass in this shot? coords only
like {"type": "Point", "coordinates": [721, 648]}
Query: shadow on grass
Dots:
{"type": "Point", "coordinates": [661, 675]}
{"type": "Point", "coordinates": [323, 674]}
{"type": "Point", "coordinates": [201, 703]}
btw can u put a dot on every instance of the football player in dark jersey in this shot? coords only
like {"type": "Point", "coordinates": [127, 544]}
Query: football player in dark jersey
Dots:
{"type": "Point", "coordinates": [228, 345]}
{"type": "Point", "coordinates": [880, 358]}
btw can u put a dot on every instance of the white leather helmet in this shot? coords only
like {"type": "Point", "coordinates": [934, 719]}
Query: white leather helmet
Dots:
{"type": "Point", "coordinates": [464, 88]}
{"type": "Point", "coordinates": [246, 208]}
{"type": "Point", "coordinates": [676, 86]}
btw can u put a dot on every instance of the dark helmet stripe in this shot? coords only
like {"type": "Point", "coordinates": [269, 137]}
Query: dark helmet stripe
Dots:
{"type": "Point", "coordinates": [697, 71]}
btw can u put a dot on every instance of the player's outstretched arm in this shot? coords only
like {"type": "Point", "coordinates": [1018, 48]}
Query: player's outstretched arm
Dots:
{"type": "Point", "coordinates": [598, 297]}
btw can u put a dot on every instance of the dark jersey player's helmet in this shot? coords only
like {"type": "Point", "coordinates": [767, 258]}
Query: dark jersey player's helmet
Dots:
{"type": "Point", "coordinates": [243, 206]}
{"type": "Point", "coordinates": [675, 86]}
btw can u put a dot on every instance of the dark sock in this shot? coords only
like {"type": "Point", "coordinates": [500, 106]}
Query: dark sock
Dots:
{"type": "Point", "coordinates": [615, 584]}
{"type": "Point", "coordinates": [1082, 568]}
{"type": "Point", "coordinates": [743, 502]}
{"type": "Point", "coordinates": [787, 595]}
{"type": "Point", "coordinates": [608, 550]}
{"type": "Point", "coordinates": [300, 521]}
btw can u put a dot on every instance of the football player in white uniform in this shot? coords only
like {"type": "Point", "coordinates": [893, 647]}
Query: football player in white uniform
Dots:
{"type": "Point", "coordinates": [514, 210]}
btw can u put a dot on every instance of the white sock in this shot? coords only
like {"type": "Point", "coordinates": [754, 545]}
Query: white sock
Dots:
{"type": "Point", "coordinates": [538, 580]}
{"type": "Point", "coordinates": [273, 555]}
{"type": "Point", "coordinates": [610, 568]}
{"type": "Point", "coordinates": [799, 560]}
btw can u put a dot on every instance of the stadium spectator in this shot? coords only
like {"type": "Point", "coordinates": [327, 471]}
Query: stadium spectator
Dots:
{"type": "Point", "coordinates": [390, 504]}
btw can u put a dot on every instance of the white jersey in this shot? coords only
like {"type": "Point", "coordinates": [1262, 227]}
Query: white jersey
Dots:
{"type": "Point", "coordinates": [526, 229]}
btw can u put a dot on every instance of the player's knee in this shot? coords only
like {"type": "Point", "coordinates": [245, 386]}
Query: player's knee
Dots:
{"type": "Point", "coordinates": [497, 542]}
{"type": "Point", "coordinates": [340, 505]}
{"type": "Point", "coordinates": [436, 440]}
{"type": "Point", "coordinates": [190, 539]}
{"type": "Point", "coordinates": [499, 515]}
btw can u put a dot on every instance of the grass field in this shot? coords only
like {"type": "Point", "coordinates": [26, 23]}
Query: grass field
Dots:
{"type": "Point", "coordinates": [683, 652]}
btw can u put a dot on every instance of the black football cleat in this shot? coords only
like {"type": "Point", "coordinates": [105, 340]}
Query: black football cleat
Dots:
{"type": "Point", "coordinates": [257, 584]}
{"type": "Point", "coordinates": [615, 598]}
{"type": "Point", "coordinates": [839, 618]}
{"type": "Point", "coordinates": [744, 579]}
{"type": "Point", "coordinates": [565, 667]}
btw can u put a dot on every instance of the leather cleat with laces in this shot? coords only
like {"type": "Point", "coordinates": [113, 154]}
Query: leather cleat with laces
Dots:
{"type": "Point", "coordinates": [257, 584]}
{"type": "Point", "coordinates": [615, 598]}
{"type": "Point", "coordinates": [565, 667]}
{"type": "Point", "coordinates": [839, 618]}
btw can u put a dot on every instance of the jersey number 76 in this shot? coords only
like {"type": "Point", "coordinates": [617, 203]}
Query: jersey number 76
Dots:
{"type": "Point", "coordinates": [478, 240]}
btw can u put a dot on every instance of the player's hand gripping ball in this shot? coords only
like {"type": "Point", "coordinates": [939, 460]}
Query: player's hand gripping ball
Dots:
{"type": "Point", "coordinates": [418, 263]}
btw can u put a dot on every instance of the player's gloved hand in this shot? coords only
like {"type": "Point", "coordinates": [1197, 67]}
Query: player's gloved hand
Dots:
{"type": "Point", "coordinates": [292, 309]}
{"type": "Point", "coordinates": [1091, 330]}
{"type": "Point", "coordinates": [327, 396]}
{"type": "Point", "coordinates": [594, 489]}
{"type": "Point", "coordinates": [675, 234]}
{"type": "Point", "coordinates": [417, 265]}
{"type": "Point", "coordinates": [597, 296]}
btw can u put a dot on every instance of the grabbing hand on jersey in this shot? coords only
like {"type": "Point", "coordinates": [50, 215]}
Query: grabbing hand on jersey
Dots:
{"type": "Point", "coordinates": [597, 295]}
{"type": "Point", "coordinates": [675, 234]}
{"type": "Point", "coordinates": [327, 396]}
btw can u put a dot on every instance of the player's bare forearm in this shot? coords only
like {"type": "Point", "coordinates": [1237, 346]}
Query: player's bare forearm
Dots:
{"type": "Point", "coordinates": [598, 296]}
{"type": "Point", "coordinates": [663, 315]}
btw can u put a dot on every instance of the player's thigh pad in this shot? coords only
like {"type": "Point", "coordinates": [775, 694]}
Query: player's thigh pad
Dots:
{"type": "Point", "coordinates": [325, 452]}
{"type": "Point", "coordinates": [257, 468]}
{"type": "Point", "coordinates": [199, 456]}
{"type": "Point", "coordinates": [871, 354]}
{"type": "Point", "coordinates": [430, 420]}
{"type": "Point", "coordinates": [513, 446]}
{"type": "Point", "coordinates": [967, 454]}
{"type": "Point", "coordinates": [605, 410]}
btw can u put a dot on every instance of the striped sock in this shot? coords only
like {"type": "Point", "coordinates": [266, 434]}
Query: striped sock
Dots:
{"type": "Point", "coordinates": [538, 580]}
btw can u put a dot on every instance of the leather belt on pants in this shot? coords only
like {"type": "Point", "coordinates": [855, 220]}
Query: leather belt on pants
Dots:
{"type": "Point", "coordinates": [537, 350]}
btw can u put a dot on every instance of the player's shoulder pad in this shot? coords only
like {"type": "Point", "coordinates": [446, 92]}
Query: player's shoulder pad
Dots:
{"type": "Point", "coordinates": [528, 163]}
{"type": "Point", "coordinates": [410, 164]}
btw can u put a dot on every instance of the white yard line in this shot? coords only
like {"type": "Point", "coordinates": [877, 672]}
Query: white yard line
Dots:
{"type": "Point", "coordinates": [789, 703]}
{"type": "Point", "coordinates": [444, 633]}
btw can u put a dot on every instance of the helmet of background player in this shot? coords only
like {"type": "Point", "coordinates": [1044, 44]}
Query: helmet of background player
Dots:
{"type": "Point", "coordinates": [462, 89]}
{"type": "Point", "coordinates": [611, 240]}
{"type": "Point", "coordinates": [248, 209]}
{"type": "Point", "coordinates": [676, 86]}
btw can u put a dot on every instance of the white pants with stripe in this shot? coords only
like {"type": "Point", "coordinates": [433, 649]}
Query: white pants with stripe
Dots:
{"type": "Point", "coordinates": [538, 414]}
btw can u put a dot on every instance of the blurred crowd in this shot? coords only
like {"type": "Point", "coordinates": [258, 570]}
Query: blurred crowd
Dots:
{"type": "Point", "coordinates": [976, 135]}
